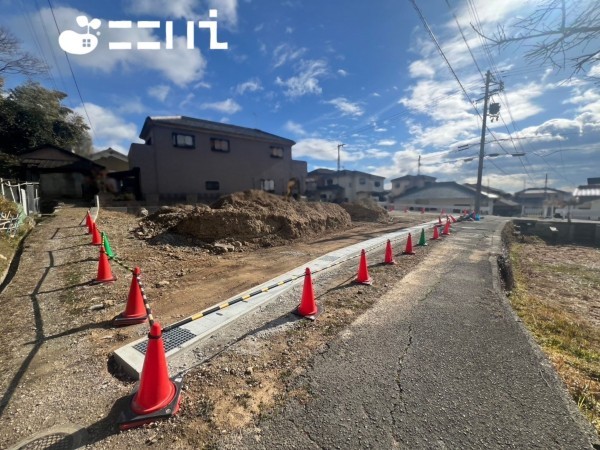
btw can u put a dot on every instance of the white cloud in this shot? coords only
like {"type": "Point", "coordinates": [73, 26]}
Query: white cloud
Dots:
{"type": "Point", "coordinates": [387, 142]}
{"type": "Point", "coordinates": [289, 30]}
{"type": "Point", "coordinates": [345, 107]}
{"type": "Point", "coordinates": [131, 106]}
{"type": "Point", "coordinates": [251, 85]}
{"type": "Point", "coordinates": [420, 68]}
{"type": "Point", "coordinates": [179, 65]}
{"type": "Point", "coordinates": [295, 128]}
{"type": "Point", "coordinates": [324, 150]}
{"type": "Point", "coordinates": [109, 130]}
{"type": "Point", "coordinates": [159, 92]}
{"type": "Point", "coordinates": [228, 10]}
{"type": "Point", "coordinates": [185, 9]}
{"type": "Point", "coordinates": [285, 53]}
{"type": "Point", "coordinates": [228, 106]}
{"type": "Point", "coordinates": [307, 79]}
{"type": "Point", "coordinates": [342, 73]}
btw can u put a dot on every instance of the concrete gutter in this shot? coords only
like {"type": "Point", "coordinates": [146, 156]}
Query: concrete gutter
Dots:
{"type": "Point", "coordinates": [131, 356]}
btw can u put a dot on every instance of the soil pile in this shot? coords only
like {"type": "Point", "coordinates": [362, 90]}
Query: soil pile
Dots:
{"type": "Point", "coordinates": [366, 212]}
{"type": "Point", "coordinates": [252, 217]}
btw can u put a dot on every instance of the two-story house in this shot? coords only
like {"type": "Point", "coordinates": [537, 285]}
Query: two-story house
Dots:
{"type": "Point", "coordinates": [345, 185]}
{"type": "Point", "coordinates": [188, 159]}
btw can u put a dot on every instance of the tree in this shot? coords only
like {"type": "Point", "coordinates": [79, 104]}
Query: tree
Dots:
{"type": "Point", "coordinates": [31, 115]}
{"type": "Point", "coordinates": [13, 60]}
{"type": "Point", "coordinates": [558, 35]}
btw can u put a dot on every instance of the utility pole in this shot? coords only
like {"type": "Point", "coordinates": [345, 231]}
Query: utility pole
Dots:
{"type": "Point", "coordinates": [419, 166]}
{"type": "Point", "coordinates": [486, 98]}
{"type": "Point", "coordinates": [338, 165]}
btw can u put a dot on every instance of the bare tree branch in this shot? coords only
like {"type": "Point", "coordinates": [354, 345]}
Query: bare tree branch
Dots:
{"type": "Point", "coordinates": [13, 60]}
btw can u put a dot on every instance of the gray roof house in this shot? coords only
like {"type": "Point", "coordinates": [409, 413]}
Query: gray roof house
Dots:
{"type": "Point", "coordinates": [188, 159]}
{"type": "Point", "coordinates": [344, 186]}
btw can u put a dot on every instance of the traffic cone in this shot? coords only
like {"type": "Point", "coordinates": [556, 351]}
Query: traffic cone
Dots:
{"type": "Point", "coordinates": [308, 306]}
{"type": "Point", "coordinates": [439, 220]}
{"type": "Point", "coordinates": [86, 222]}
{"type": "Point", "coordinates": [363, 272]}
{"type": "Point", "coordinates": [90, 224]}
{"type": "Point", "coordinates": [409, 248]}
{"type": "Point", "coordinates": [446, 231]}
{"type": "Point", "coordinates": [96, 239]}
{"type": "Point", "coordinates": [436, 234]}
{"type": "Point", "coordinates": [443, 212]}
{"type": "Point", "coordinates": [135, 310]}
{"type": "Point", "coordinates": [452, 218]}
{"type": "Point", "coordinates": [107, 247]}
{"type": "Point", "coordinates": [422, 210]}
{"type": "Point", "coordinates": [105, 274]}
{"type": "Point", "coordinates": [157, 396]}
{"type": "Point", "coordinates": [389, 254]}
{"type": "Point", "coordinates": [422, 240]}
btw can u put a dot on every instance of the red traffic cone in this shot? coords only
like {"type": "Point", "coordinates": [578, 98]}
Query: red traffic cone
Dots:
{"type": "Point", "coordinates": [363, 272]}
{"type": "Point", "coordinates": [409, 248]}
{"type": "Point", "coordinates": [446, 231]}
{"type": "Point", "coordinates": [389, 254]}
{"type": "Point", "coordinates": [157, 396]}
{"type": "Point", "coordinates": [86, 222]}
{"type": "Point", "coordinates": [105, 274]}
{"type": "Point", "coordinates": [439, 220]}
{"type": "Point", "coordinates": [90, 224]}
{"type": "Point", "coordinates": [308, 306]}
{"type": "Point", "coordinates": [452, 218]}
{"type": "Point", "coordinates": [422, 210]}
{"type": "Point", "coordinates": [436, 234]}
{"type": "Point", "coordinates": [96, 238]}
{"type": "Point", "coordinates": [135, 310]}
{"type": "Point", "coordinates": [443, 211]}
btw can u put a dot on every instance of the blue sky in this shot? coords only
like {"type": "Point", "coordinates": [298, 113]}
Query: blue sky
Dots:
{"type": "Point", "coordinates": [365, 74]}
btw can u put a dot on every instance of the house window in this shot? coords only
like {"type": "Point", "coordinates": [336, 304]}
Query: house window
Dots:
{"type": "Point", "coordinates": [219, 145]}
{"type": "Point", "coordinates": [329, 182]}
{"type": "Point", "coordinates": [276, 152]}
{"type": "Point", "coordinates": [377, 184]}
{"type": "Point", "coordinates": [212, 185]}
{"type": "Point", "coordinates": [183, 140]}
{"type": "Point", "coordinates": [397, 185]}
{"type": "Point", "coordinates": [267, 185]}
{"type": "Point", "coordinates": [362, 181]}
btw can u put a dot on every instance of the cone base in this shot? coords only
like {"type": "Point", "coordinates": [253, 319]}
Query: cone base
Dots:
{"type": "Point", "coordinates": [129, 419]}
{"type": "Point", "coordinates": [424, 244]}
{"type": "Point", "coordinates": [368, 281]}
{"type": "Point", "coordinates": [122, 321]}
{"type": "Point", "coordinates": [408, 253]}
{"type": "Point", "coordinates": [312, 317]}
{"type": "Point", "coordinates": [390, 263]}
{"type": "Point", "coordinates": [107, 280]}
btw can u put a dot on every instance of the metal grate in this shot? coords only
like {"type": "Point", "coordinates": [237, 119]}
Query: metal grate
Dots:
{"type": "Point", "coordinates": [55, 441]}
{"type": "Point", "coordinates": [171, 339]}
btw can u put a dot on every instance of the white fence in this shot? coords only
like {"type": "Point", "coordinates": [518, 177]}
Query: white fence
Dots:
{"type": "Point", "coordinates": [26, 197]}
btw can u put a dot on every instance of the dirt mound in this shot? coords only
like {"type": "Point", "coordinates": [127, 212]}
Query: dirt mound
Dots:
{"type": "Point", "coordinates": [250, 216]}
{"type": "Point", "coordinates": [366, 212]}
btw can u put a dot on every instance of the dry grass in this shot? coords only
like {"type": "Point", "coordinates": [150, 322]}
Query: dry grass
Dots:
{"type": "Point", "coordinates": [566, 334]}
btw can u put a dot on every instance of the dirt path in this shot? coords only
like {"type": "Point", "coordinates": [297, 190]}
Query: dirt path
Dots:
{"type": "Point", "coordinates": [57, 346]}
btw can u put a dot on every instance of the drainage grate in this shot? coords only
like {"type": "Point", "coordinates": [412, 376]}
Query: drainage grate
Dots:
{"type": "Point", "coordinates": [172, 339]}
{"type": "Point", "coordinates": [56, 441]}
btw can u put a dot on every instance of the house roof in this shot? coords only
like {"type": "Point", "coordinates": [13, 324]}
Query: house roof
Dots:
{"type": "Point", "coordinates": [216, 127]}
{"type": "Point", "coordinates": [342, 172]}
{"type": "Point", "coordinates": [539, 191]}
{"type": "Point", "coordinates": [447, 189]}
{"type": "Point", "coordinates": [108, 153]}
{"type": "Point", "coordinates": [63, 159]}
{"type": "Point", "coordinates": [408, 177]}
{"type": "Point", "coordinates": [499, 192]}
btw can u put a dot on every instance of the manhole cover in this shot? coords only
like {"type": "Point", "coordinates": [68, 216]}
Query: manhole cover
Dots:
{"type": "Point", "coordinates": [55, 441]}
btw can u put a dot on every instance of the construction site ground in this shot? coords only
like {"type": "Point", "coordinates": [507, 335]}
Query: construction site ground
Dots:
{"type": "Point", "coordinates": [55, 368]}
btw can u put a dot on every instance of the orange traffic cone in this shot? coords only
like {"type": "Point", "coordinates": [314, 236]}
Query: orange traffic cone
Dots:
{"type": "Point", "coordinates": [90, 223]}
{"type": "Point", "coordinates": [308, 306]}
{"type": "Point", "coordinates": [436, 234]}
{"type": "Point", "coordinates": [157, 396]}
{"type": "Point", "coordinates": [86, 221]}
{"type": "Point", "coordinates": [409, 248]}
{"type": "Point", "coordinates": [446, 231]}
{"type": "Point", "coordinates": [389, 254]}
{"type": "Point", "coordinates": [452, 218]}
{"type": "Point", "coordinates": [135, 310]}
{"type": "Point", "coordinates": [105, 274]}
{"type": "Point", "coordinates": [363, 272]}
{"type": "Point", "coordinates": [96, 238]}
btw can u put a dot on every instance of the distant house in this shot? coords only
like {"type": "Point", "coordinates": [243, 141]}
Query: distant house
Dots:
{"type": "Point", "coordinates": [111, 159]}
{"type": "Point", "coordinates": [344, 186]}
{"type": "Point", "coordinates": [402, 184]}
{"type": "Point", "coordinates": [587, 201]}
{"type": "Point", "coordinates": [188, 159]}
{"type": "Point", "coordinates": [61, 173]}
{"type": "Point", "coordinates": [453, 198]}
{"type": "Point", "coordinates": [541, 201]}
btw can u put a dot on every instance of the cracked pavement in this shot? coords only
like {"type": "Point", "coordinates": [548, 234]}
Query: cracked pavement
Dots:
{"type": "Point", "coordinates": [439, 362]}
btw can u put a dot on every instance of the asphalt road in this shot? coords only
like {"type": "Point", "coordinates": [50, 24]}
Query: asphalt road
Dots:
{"type": "Point", "coordinates": [440, 362]}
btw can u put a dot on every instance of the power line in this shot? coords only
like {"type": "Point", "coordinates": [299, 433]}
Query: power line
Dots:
{"type": "Point", "coordinates": [73, 73]}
